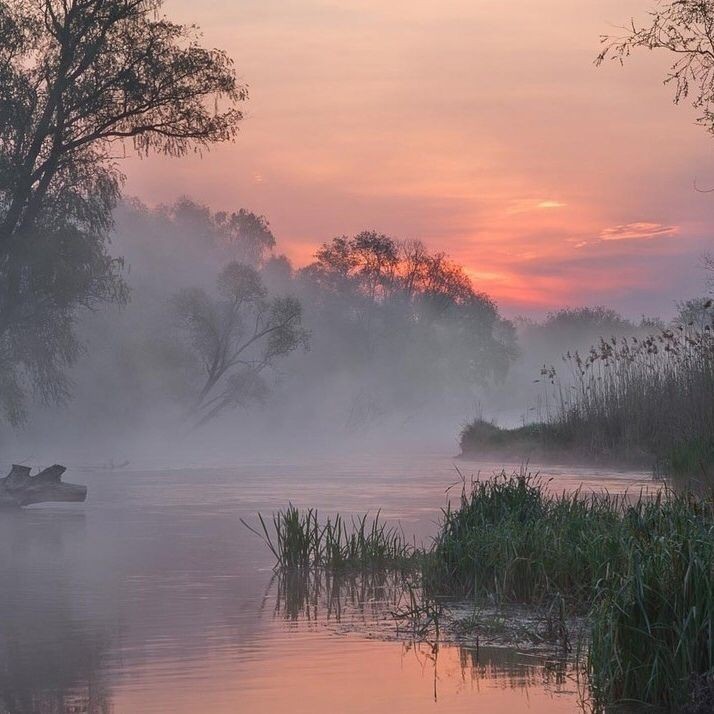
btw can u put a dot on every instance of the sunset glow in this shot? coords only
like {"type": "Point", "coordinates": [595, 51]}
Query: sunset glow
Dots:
{"type": "Point", "coordinates": [482, 128]}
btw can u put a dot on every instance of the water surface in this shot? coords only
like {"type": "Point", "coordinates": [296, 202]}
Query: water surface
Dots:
{"type": "Point", "coordinates": [152, 597]}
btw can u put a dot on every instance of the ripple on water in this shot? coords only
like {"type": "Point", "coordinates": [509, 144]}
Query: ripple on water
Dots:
{"type": "Point", "coordinates": [152, 597]}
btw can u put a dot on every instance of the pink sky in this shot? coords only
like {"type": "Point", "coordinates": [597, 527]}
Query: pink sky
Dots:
{"type": "Point", "coordinates": [478, 126]}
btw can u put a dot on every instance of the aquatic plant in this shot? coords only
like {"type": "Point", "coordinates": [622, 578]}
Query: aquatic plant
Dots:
{"type": "Point", "coordinates": [653, 620]}
{"type": "Point", "coordinates": [299, 540]}
{"type": "Point", "coordinates": [642, 568]}
{"type": "Point", "coordinates": [512, 540]}
{"type": "Point", "coordinates": [647, 400]}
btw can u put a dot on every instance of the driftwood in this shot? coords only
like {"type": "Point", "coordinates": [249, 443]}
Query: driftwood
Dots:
{"type": "Point", "coordinates": [18, 488]}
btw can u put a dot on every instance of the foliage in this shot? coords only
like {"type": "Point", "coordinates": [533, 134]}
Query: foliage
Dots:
{"type": "Point", "coordinates": [653, 618]}
{"type": "Point", "coordinates": [685, 29]}
{"type": "Point", "coordinates": [697, 313]}
{"type": "Point", "coordinates": [642, 567]}
{"type": "Point", "coordinates": [409, 324]}
{"type": "Point", "coordinates": [652, 395]}
{"type": "Point", "coordinates": [510, 539]}
{"type": "Point", "coordinates": [240, 235]}
{"type": "Point", "coordinates": [480, 437]}
{"type": "Point", "coordinates": [235, 336]}
{"type": "Point", "coordinates": [77, 79]}
{"type": "Point", "coordinates": [575, 329]}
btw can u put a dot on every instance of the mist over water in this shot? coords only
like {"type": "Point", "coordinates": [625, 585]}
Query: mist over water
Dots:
{"type": "Point", "coordinates": [352, 481]}
{"type": "Point", "coordinates": [155, 598]}
{"type": "Point", "coordinates": [400, 352]}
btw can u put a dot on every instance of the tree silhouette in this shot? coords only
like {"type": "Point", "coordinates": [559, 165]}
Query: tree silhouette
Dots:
{"type": "Point", "coordinates": [80, 81]}
{"type": "Point", "coordinates": [234, 337]}
{"type": "Point", "coordinates": [685, 28]}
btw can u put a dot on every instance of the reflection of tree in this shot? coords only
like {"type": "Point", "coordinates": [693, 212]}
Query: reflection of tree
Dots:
{"type": "Point", "coordinates": [51, 675]}
{"type": "Point", "coordinates": [51, 646]}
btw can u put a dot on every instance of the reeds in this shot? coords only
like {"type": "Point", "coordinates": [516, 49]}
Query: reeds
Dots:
{"type": "Point", "coordinates": [510, 540]}
{"type": "Point", "coordinates": [298, 540]}
{"type": "Point", "coordinates": [653, 620]}
{"type": "Point", "coordinates": [652, 395]}
{"type": "Point", "coordinates": [642, 568]}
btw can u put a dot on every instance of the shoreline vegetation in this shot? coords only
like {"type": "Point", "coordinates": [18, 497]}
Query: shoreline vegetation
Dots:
{"type": "Point", "coordinates": [631, 400]}
{"type": "Point", "coordinates": [637, 573]}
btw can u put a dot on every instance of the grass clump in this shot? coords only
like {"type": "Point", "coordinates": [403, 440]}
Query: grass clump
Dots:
{"type": "Point", "coordinates": [642, 569]}
{"type": "Point", "coordinates": [299, 540]}
{"type": "Point", "coordinates": [511, 540]}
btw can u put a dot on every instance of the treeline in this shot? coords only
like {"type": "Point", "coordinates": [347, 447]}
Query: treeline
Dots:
{"type": "Point", "coordinates": [217, 320]}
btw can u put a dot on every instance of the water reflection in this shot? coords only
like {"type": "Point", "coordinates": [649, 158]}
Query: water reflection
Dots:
{"type": "Point", "coordinates": [153, 598]}
{"type": "Point", "coordinates": [50, 651]}
{"type": "Point", "coordinates": [367, 596]}
{"type": "Point", "coordinates": [373, 604]}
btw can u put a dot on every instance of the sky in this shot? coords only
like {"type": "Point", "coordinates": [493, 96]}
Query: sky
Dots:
{"type": "Point", "coordinates": [481, 127]}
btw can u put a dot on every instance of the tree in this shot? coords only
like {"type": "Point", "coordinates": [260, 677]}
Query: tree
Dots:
{"type": "Point", "coordinates": [697, 313]}
{"type": "Point", "coordinates": [234, 337]}
{"type": "Point", "coordinates": [409, 322]}
{"type": "Point", "coordinates": [249, 233]}
{"type": "Point", "coordinates": [79, 80]}
{"type": "Point", "coordinates": [686, 29]}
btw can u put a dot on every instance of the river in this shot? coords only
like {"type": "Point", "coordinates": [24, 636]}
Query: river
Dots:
{"type": "Point", "coordinates": [152, 597]}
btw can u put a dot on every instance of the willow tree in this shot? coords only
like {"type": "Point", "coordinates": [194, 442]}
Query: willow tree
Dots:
{"type": "Point", "coordinates": [82, 83]}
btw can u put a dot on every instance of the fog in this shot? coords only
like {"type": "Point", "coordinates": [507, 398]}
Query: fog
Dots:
{"type": "Point", "coordinates": [391, 347]}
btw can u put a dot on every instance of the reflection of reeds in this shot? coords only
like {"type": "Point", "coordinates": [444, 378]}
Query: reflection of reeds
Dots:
{"type": "Point", "coordinates": [371, 598]}
{"type": "Point", "coordinates": [515, 668]}
{"type": "Point", "coordinates": [312, 594]}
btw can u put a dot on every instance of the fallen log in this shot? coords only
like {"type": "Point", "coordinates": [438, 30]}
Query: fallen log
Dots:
{"type": "Point", "coordinates": [18, 488]}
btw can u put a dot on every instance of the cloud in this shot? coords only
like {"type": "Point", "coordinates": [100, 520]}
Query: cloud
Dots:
{"type": "Point", "coordinates": [527, 205]}
{"type": "Point", "coordinates": [642, 230]}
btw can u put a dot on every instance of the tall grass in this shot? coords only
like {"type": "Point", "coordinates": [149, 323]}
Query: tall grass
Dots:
{"type": "Point", "coordinates": [510, 539]}
{"type": "Point", "coordinates": [653, 620]}
{"type": "Point", "coordinates": [651, 395]}
{"type": "Point", "coordinates": [298, 539]}
{"type": "Point", "coordinates": [642, 568]}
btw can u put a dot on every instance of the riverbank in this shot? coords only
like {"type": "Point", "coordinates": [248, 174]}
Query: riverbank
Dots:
{"type": "Point", "coordinates": [646, 401]}
{"type": "Point", "coordinates": [638, 570]}
{"type": "Point", "coordinates": [546, 443]}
